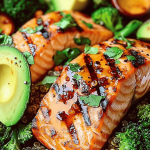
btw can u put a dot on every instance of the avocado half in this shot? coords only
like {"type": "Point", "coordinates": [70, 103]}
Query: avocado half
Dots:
{"type": "Point", "coordinates": [143, 32]}
{"type": "Point", "coordinates": [15, 80]}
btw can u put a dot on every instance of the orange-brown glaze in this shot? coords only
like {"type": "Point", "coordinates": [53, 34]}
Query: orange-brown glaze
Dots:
{"type": "Point", "coordinates": [64, 122]}
{"type": "Point", "coordinates": [44, 45]}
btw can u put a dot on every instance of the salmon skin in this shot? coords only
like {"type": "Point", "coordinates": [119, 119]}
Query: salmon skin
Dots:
{"type": "Point", "coordinates": [44, 44]}
{"type": "Point", "coordinates": [65, 121]}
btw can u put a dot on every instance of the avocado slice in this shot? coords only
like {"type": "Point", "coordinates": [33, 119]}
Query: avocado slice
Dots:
{"type": "Point", "coordinates": [143, 32]}
{"type": "Point", "coordinates": [77, 5]}
{"type": "Point", "coordinates": [15, 80]}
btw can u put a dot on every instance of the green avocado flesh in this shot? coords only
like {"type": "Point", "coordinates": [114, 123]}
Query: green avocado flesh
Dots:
{"type": "Point", "coordinates": [143, 32]}
{"type": "Point", "coordinates": [15, 83]}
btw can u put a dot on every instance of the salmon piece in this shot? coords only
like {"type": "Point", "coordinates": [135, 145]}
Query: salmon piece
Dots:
{"type": "Point", "coordinates": [43, 45]}
{"type": "Point", "coordinates": [65, 122]}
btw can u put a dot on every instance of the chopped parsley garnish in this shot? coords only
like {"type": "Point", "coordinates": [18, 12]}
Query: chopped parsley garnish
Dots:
{"type": "Point", "coordinates": [129, 43]}
{"type": "Point", "coordinates": [66, 22]}
{"type": "Point", "coordinates": [74, 67]}
{"type": "Point", "coordinates": [29, 57]}
{"type": "Point", "coordinates": [65, 56]}
{"type": "Point", "coordinates": [114, 52]}
{"type": "Point", "coordinates": [90, 50]}
{"type": "Point", "coordinates": [88, 24]}
{"type": "Point", "coordinates": [6, 40]}
{"type": "Point", "coordinates": [130, 57]}
{"type": "Point", "coordinates": [92, 100]}
{"type": "Point", "coordinates": [82, 41]}
{"type": "Point", "coordinates": [31, 30]}
{"type": "Point", "coordinates": [117, 61]}
{"type": "Point", "coordinates": [48, 81]}
{"type": "Point", "coordinates": [77, 77]}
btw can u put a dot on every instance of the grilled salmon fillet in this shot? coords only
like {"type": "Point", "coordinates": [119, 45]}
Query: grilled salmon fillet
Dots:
{"type": "Point", "coordinates": [44, 44]}
{"type": "Point", "coordinates": [65, 121]}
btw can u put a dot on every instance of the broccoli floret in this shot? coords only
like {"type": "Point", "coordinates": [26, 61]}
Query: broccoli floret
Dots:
{"type": "Point", "coordinates": [22, 10]}
{"type": "Point", "coordinates": [25, 133]}
{"type": "Point", "coordinates": [144, 112]}
{"type": "Point", "coordinates": [135, 136]}
{"type": "Point", "coordinates": [98, 3]}
{"type": "Point", "coordinates": [12, 137]}
{"type": "Point", "coordinates": [109, 17]}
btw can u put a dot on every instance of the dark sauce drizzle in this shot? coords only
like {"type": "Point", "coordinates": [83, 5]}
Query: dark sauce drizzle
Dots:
{"type": "Point", "coordinates": [30, 43]}
{"type": "Point", "coordinates": [44, 31]}
{"type": "Point", "coordinates": [140, 60]}
{"type": "Point", "coordinates": [115, 71]}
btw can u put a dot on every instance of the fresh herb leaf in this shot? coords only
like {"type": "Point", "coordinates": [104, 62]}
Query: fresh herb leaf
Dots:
{"type": "Point", "coordinates": [38, 28]}
{"type": "Point", "coordinates": [92, 100]}
{"type": "Point", "coordinates": [31, 30]}
{"type": "Point", "coordinates": [25, 133]}
{"type": "Point", "coordinates": [130, 57]}
{"type": "Point", "coordinates": [6, 40]}
{"type": "Point", "coordinates": [117, 61]}
{"type": "Point", "coordinates": [66, 22]}
{"type": "Point", "coordinates": [1, 31]}
{"type": "Point", "coordinates": [90, 50]}
{"type": "Point", "coordinates": [129, 43]}
{"type": "Point", "coordinates": [114, 52]}
{"type": "Point", "coordinates": [59, 57]}
{"type": "Point", "coordinates": [29, 57]}
{"type": "Point", "coordinates": [77, 77]}
{"type": "Point", "coordinates": [48, 81]}
{"type": "Point", "coordinates": [65, 56]}
{"type": "Point", "coordinates": [74, 67]}
{"type": "Point", "coordinates": [82, 41]}
{"type": "Point", "coordinates": [88, 24]}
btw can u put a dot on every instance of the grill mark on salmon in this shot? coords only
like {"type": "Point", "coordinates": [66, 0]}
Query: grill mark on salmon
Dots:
{"type": "Point", "coordinates": [46, 42]}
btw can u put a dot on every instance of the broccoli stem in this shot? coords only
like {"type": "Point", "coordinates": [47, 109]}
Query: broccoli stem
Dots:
{"type": "Point", "coordinates": [129, 28]}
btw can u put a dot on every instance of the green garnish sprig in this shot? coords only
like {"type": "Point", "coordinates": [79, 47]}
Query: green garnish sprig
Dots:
{"type": "Point", "coordinates": [90, 50]}
{"type": "Point", "coordinates": [5, 39]}
{"type": "Point", "coordinates": [114, 52]}
{"type": "Point", "coordinates": [129, 43]}
{"type": "Point", "coordinates": [82, 41]}
{"type": "Point", "coordinates": [31, 30]}
{"type": "Point", "coordinates": [74, 67]}
{"type": "Point", "coordinates": [65, 56]}
{"type": "Point", "coordinates": [66, 22]}
{"type": "Point", "coordinates": [92, 100]}
{"type": "Point", "coordinates": [89, 25]}
{"type": "Point", "coordinates": [48, 81]}
{"type": "Point", "coordinates": [29, 57]}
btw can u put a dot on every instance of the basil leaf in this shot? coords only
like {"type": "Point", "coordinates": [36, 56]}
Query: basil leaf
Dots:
{"type": "Point", "coordinates": [77, 77]}
{"type": "Point", "coordinates": [38, 28]}
{"type": "Point", "coordinates": [66, 22]}
{"type": "Point", "coordinates": [65, 56]}
{"type": "Point", "coordinates": [114, 52]}
{"type": "Point", "coordinates": [1, 31]}
{"type": "Point", "coordinates": [31, 30]}
{"type": "Point", "coordinates": [90, 50]}
{"type": "Point", "coordinates": [92, 100]}
{"type": "Point", "coordinates": [74, 67]}
{"type": "Point", "coordinates": [82, 41]}
{"type": "Point", "coordinates": [117, 61]}
{"type": "Point", "coordinates": [48, 81]}
{"type": "Point", "coordinates": [59, 58]}
{"type": "Point", "coordinates": [130, 57]}
{"type": "Point", "coordinates": [88, 24]}
{"type": "Point", "coordinates": [29, 57]}
{"type": "Point", "coordinates": [6, 39]}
